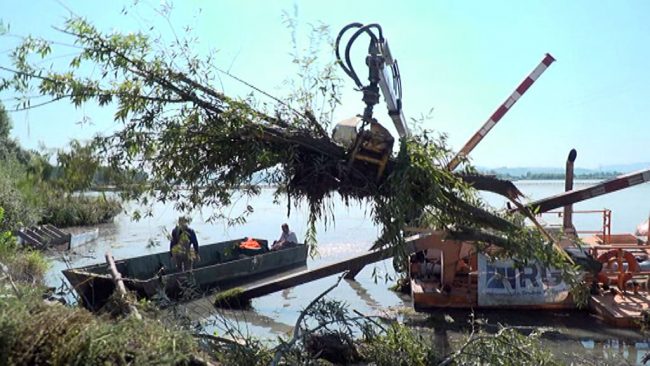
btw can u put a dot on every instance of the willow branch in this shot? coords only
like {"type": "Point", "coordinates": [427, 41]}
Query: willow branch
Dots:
{"type": "Point", "coordinates": [296, 330]}
{"type": "Point", "coordinates": [217, 339]}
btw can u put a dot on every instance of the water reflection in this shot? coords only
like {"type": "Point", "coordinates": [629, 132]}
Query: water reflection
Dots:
{"type": "Point", "coordinates": [352, 233]}
{"type": "Point", "coordinates": [363, 294]}
{"type": "Point", "coordinates": [615, 351]}
{"type": "Point", "coordinates": [220, 321]}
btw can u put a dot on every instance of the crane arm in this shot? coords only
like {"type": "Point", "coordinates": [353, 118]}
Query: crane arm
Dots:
{"type": "Point", "coordinates": [390, 83]}
{"type": "Point", "coordinates": [383, 74]}
{"type": "Point", "coordinates": [578, 195]}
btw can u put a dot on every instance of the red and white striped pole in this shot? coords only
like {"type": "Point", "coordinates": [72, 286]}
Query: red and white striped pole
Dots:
{"type": "Point", "coordinates": [503, 109]}
{"type": "Point", "coordinates": [578, 195]}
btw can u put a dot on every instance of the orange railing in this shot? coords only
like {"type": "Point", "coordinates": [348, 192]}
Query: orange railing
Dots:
{"type": "Point", "coordinates": [605, 232]}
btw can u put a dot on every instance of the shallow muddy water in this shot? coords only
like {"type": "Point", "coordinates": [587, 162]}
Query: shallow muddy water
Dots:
{"type": "Point", "coordinates": [352, 232]}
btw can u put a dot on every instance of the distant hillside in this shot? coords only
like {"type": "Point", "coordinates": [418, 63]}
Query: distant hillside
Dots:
{"type": "Point", "coordinates": [605, 169]}
{"type": "Point", "coordinates": [626, 168]}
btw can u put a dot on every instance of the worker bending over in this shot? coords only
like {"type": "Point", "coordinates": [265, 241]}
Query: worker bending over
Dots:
{"type": "Point", "coordinates": [287, 239]}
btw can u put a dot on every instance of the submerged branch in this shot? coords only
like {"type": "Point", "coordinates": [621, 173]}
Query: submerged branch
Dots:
{"type": "Point", "coordinates": [296, 330]}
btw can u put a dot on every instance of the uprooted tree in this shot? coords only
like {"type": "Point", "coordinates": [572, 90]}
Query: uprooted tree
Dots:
{"type": "Point", "coordinates": [183, 132]}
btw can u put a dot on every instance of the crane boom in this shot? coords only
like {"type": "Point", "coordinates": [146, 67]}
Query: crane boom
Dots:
{"type": "Point", "coordinates": [578, 195]}
{"type": "Point", "coordinates": [501, 111]}
{"type": "Point", "coordinates": [391, 87]}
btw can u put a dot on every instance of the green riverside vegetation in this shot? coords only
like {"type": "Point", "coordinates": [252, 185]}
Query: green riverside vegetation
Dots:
{"type": "Point", "coordinates": [33, 191]}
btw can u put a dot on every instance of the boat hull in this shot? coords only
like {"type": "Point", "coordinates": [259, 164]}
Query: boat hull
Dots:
{"type": "Point", "coordinates": [221, 267]}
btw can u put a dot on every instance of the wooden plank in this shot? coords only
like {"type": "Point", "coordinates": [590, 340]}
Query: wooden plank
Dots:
{"type": "Point", "coordinates": [623, 311]}
{"type": "Point", "coordinates": [314, 274]}
{"type": "Point", "coordinates": [119, 284]}
{"type": "Point", "coordinates": [28, 239]}
{"type": "Point", "coordinates": [56, 230]}
{"type": "Point", "coordinates": [50, 238]}
{"type": "Point", "coordinates": [53, 233]}
{"type": "Point", "coordinates": [33, 233]}
{"type": "Point", "coordinates": [44, 236]}
{"type": "Point", "coordinates": [415, 243]}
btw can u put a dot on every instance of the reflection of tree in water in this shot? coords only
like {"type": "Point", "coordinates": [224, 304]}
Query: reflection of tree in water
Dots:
{"type": "Point", "coordinates": [286, 294]}
{"type": "Point", "coordinates": [363, 294]}
{"type": "Point", "coordinates": [202, 310]}
{"type": "Point", "coordinates": [612, 352]}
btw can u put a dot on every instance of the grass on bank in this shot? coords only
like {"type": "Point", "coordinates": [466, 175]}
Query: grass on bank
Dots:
{"type": "Point", "coordinates": [33, 332]}
{"type": "Point", "coordinates": [36, 332]}
{"type": "Point", "coordinates": [18, 265]}
{"type": "Point", "coordinates": [231, 299]}
{"type": "Point", "coordinates": [64, 211]}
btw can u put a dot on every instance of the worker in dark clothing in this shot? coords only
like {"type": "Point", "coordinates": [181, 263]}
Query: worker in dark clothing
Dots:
{"type": "Point", "coordinates": [184, 247]}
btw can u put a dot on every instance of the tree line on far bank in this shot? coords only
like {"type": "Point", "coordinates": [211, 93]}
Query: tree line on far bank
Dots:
{"type": "Point", "coordinates": [554, 176]}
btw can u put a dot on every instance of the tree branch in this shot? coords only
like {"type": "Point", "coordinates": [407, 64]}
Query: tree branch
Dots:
{"type": "Point", "coordinates": [296, 330]}
{"type": "Point", "coordinates": [218, 339]}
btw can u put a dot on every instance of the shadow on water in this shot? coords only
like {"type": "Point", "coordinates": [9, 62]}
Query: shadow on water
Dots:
{"type": "Point", "coordinates": [575, 336]}
{"type": "Point", "coordinates": [363, 294]}
{"type": "Point", "coordinates": [567, 332]}
{"type": "Point", "coordinates": [218, 320]}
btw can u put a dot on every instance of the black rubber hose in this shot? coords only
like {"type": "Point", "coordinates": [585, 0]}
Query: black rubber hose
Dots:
{"type": "Point", "coordinates": [348, 47]}
{"type": "Point", "coordinates": [336, 47]}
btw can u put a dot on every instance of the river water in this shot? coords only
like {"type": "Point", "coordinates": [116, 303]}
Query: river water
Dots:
{"type": "Point", "coordinates": [352, 232]}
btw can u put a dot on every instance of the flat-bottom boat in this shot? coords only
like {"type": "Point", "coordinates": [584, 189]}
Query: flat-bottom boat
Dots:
{"type": "Point", "coordinates": [222, 265]}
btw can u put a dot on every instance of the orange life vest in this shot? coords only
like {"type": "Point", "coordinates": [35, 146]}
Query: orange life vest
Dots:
{"type": "Point", "coordinates": [250, 243]}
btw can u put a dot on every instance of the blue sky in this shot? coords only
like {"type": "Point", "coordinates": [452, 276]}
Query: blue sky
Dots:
{"type": "Point", "coordinates": [462, 58]}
